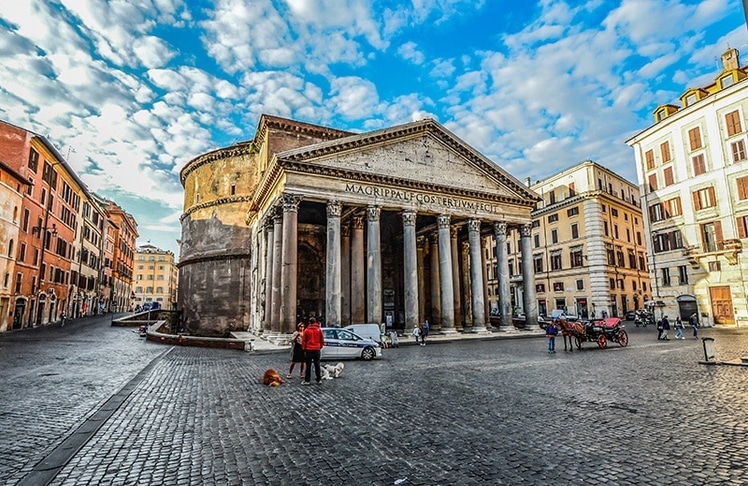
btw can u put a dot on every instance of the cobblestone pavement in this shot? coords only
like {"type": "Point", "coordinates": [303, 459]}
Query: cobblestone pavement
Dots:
{"type": "Point", "coordinates": [452, 413]}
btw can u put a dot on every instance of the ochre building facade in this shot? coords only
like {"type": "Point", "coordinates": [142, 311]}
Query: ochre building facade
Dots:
{"type": "Point", "coordinates": [381, 227]}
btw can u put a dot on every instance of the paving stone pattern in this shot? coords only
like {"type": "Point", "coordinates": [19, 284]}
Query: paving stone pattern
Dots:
{"type": "Point", "coordinates": [457, 413]}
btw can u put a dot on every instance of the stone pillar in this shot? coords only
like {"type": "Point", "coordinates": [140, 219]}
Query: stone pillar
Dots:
{"type": "Point", "coordinates": [528, 279]}
{"type": "Point", "coordinates": [374, 266]}
{"type": "Point", "coordinates": [436, 306]}
{"type": "Point", "coordinates": [476, 276]}
{"type": "Point", "coordinates": [290, 263]}
{"type": "Point", "coordinates": [275, 301]}
{"type": "Point", "coordinates": [421, 244]}
{"type": "Point", "coordinates": [269, 247]}
{"type": "Point", "coordinates": [445, 270]}
{"type": "Point", "coordinates": [502, 264]}
{"type": "Point", "coordinates": [410, 266]}
{"type": "Point", "coordinates": [345, 272]}
{"type": "Point", "coordinates": [454, 230]}
{"type": "Point", "coordinates": [332, 287]}
{"type": "Point", "coordinates": [467, 295]}
{"type": "Point", "coordinates": [358, 287]}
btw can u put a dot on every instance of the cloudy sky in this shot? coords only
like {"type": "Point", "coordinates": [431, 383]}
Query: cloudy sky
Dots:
{"type": "Point", "coordinates": [131, 90]}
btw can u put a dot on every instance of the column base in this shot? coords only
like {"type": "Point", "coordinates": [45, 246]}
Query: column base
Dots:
{"type": "Point", "coordinates": [476, 329]}
{"type": "Point", "coordinates": [533, 328]}
{"type": "Point", "coordinates": [507, 328]}
{"type": "Point", "coordinates": [449, 330]}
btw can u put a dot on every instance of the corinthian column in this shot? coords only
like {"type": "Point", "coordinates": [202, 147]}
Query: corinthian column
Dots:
{"type": "Point", "coordinates": [456, 277]}
{"type": "Point", "coordinates": [436, 305]}
{"type": "Point", "coordinates": [333, 264]}
{"type": "Point", "coordinates": [268, 274]}
{"type": "Point", "coordinates": [374, 266]}
{"type": "Point", "coordinates": [290, 262]}
{"type": "Point", "coordinates": [528, 279]}
{"type": "Point", "coordinates": [345, 271]}
{"type": "Point", "coordinates": [358, 288]}
{"type": "Point", "coordinates": [275, 301]}
{"type": "Point", "coordinates": [445, 271]}
{"type": "Point", "coordinates": [421, 245]}
{"type": "Point", "coordinates": [410, 266]}
{"type": "Point", "coordinates": [502, 265]}
{"type": "Point", "coordinates": [476, 276]}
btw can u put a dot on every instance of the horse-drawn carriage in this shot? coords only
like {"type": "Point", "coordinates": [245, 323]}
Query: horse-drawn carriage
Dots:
{"type": "Point", "coordinates": [601, 332]}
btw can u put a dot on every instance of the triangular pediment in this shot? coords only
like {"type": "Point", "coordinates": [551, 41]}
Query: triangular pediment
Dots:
{"type": "Point", "coordinates": [422, 154]}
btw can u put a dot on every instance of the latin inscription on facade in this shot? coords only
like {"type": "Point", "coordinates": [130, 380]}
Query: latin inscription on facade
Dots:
{"type": "Point", "coordinates": [397, 195]}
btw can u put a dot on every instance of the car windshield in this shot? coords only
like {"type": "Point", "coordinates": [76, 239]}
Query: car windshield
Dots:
{"type": "Point", "coordinates": [347, 335]}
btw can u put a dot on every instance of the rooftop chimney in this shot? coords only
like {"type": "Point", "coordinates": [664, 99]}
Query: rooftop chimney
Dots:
{"type": "Point", "coordinates": [730, 59]}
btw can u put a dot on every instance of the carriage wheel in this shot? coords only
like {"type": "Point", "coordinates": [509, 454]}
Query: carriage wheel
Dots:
{"type": "Point", "coordinates": [602, 342]}
{"type": "Point", "coordinates": [579, 342]}
{"type": "Point", "coordinates": [623, 339]}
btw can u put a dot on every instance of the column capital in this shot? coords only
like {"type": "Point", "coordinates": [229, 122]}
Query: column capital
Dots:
{"type": "Point", "coordinates": [358, 222]}
{"type": "Point", "coordinates": [334, 209]}
{"type": "Point", "coordinates": [409, 217]}
{"type": "Point", "coordinates": [345, 230]}
{"type": "Point", "coordinates": [500, 230]}
{"type": "Point", "coordinates": [373, 212]}
{"type": "Point", "coordinates": [421, 242]}
{"type": "Point", "coordinates": [525, 230]}
{"type": "Point", "coordinates": [474, 225]}
{"type": "Point", "coordinates": [442, 221]}
{"type": "Point", "coordinates": [454, 231]}
{"type": "Point", "coordinates": [291, 202]}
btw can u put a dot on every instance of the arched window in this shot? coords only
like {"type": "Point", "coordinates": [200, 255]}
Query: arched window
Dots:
{"type": "Point", "coordinates": [10, 248]}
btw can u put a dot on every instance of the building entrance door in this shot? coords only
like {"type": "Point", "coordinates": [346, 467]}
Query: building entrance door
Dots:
{"type": "Point", "coordinates": [721, 305]}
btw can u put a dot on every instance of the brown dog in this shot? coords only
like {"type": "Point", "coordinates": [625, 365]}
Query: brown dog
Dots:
{"type": "Point", "coordinates": [272, 378]}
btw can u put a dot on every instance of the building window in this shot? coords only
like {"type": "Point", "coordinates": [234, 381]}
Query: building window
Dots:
{"type": "Point", "coordinates": [727, 81]}
{"type": "Point", "coordinates": [605, 228]}
{"type": "Point", "coordinates": [554, 236]}
{"type": "Point", "coordinates": [682, 275]}
{"type": "Point", "coordinates": [704, 198]}
{"type": "Point", "coordinates": [572, 190]}
{"type": "Point", "coordinates": [538, 263]}
{"type": "Point", "coordinates": [612, 284]}
{"type": "Point", "coordinates": [603, 208]}
{"type": "Point", "coordinates": [614, 212]}
{"type": "Point", "coordinates": [699, 164]}
{"type": "Point", "coordinates": [552, 197]}
{"type": "Point", "coordinates": [575, 231]}
{"type": "Point", "coordinates": [742, 183]}
{"type": "Point", "coordinates": [668, 175]}
{"type": "Point", "coordinates": [673, 207]}
{"type": "Point", "coordinates": [691, 99]}
{"type": "Point", "coordinates": [742, 222]}
{"type": "Point", "coordinates": [711, 236]}
{"type": "Point", "coordinates": [558, 286]}
{"type": "Point", "coordinates": [572, 211]}
{"type": "Point", "coordinates": [540, 288]}
{"type": "Point", "coordinates": [665, 277]}
{"type": "Point", "coordinates": [536, 241]}
{"type": "Point", "coordinates": [552, 218]}
{"type": "Point", "coordinates": [580, 284]}
{"type": "Point", "coordinates": [665, 151]}
{"type": "Point", "coordinates": [694, 138]}
{"type": "Point", "coordinates": [650, 158]}
{"type": "Point", "coordinates": [642, 264]}
{"type": "Point", "coordinates": [615, 231]}
{"type": "Point", "coordinates": [715, 267]}
{"type": "Point", "coordinates": [619, 258]}
{"type": "Point", "coordinates": [576, 257]}
{"type": "Point", "coordinates": [611, 256]}
{"type": "Point", "coordinates": [732, 120]}
{"type": "Point", "coordinates": [632, 260]}
{"type": "Point", "coordinates": [652, 179]}
{"type": "Point", "coordinates": [738, 151]}
{"type": "Point", "coordinates": [556, 261]}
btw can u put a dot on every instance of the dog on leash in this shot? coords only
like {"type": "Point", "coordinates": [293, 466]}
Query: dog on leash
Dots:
{"type": "Point", "coordinates": [272, 378]}
{"type": "Point", "coordinates": [329, 371]}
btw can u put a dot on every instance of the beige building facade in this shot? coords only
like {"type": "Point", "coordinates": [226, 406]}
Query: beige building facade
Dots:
{"type": "Point", "coordinates": [155, 276]}
{"type": "Point", "coordinates": [381, 227]}
{"type": "Point", "coordinates": [693, 171]}
{"type": "Point", "coordinates": [588, 249]}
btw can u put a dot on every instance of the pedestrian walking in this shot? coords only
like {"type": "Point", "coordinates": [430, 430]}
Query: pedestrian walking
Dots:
{"type": "Point", "coordinates": [694, 321]}
{"type": "Point", "coordinates": [312, 341]}
{"type": "Point", "coordinates": [393, 339]}
{"type": "Point", "coordinates": [297, 352]}
{"type": "Point", "coordinates": [63, 317]}
{"type": "Point", "coordinates": [425, 332]}
{"type": "Point", "coordinates": [417, 334]}
{"type": "Point", "coordinates": [679, 328]}
{"type": "Point", "coordinates": [665, 328]}
{"type": "Point", "coordinates": [551, 331]}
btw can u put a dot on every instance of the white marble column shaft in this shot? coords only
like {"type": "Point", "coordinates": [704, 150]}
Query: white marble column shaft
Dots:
{"type": "Point", "coordinates": [502, 264]}
{"type": "Point", "coordinates": [374, 266]}
{"type": "Point", "coordinates": [528, 279]}
{"type": "Point", "coordinates": [447, 278]}
{"type": "Point", "coordinates": [410, 269]}
{"type": "Point", "coordinates": [476, 276]}
{"type": "Point", "coordinates": [333, 283]}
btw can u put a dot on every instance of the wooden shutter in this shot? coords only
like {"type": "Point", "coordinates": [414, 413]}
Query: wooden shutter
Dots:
{"type": "Point", "coordinates": [653, 182]}
{"type": "Point", "coordinates": [733, 123]}
{"type": "Point", "coordinates": [694, 138]}
{"type": "Point", "coordinates": [668, 173]}
{"type": "Point", "coordinates": [650, 156]}
{"type": "Point", "coordinates": [696, 200]}
{"type": "Point", "coordinates": [665, 151]}
{"type": "Point", "coordinates": [742, 183]}
{"type": "Point", "coordinates": [718, 239]}
{"type": "Point", "coordinates": [712, 198]}
{"type": "Point", "coordinates": [741, 227]}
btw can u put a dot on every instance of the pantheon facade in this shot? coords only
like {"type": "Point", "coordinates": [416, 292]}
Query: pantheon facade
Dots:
{"type": "Point", "coordinates": [389, 226]}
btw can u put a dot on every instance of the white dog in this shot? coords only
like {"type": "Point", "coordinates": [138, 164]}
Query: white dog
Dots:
{"type": "Point", "coordinates": [329, 371]}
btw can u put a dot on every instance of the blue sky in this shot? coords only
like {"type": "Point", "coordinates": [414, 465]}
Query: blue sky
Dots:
{"type": "Point", "coordinates": [132, 91]}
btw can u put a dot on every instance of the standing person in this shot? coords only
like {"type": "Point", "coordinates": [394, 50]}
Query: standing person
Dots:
{"type": "Point", "coordinates": [665, 329]}
{"type": "Point", "coordinates": [679, 328]}
{"type": "Point", "coordinates": [297, 352]}
{"type": "Point", "coordinates": [551, 331]}
{"type": "Point", "coordinates": [417, 334]}
{"type": "Point", "coordinates": [694, 321]}
{"type": "Point", "coordinates": [63, 317]}
{"type": "Point", "coordinates": [312, 341]}
{"type": "Point", "coordinates": [425, 332]}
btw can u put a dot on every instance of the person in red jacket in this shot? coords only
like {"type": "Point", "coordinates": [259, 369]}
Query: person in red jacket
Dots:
{"type": "Point", "coordinates": [312, 341]}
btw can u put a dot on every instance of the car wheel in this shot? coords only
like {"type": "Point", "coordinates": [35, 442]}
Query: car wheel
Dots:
{"type": "Point", "coordinates": [368, 354]}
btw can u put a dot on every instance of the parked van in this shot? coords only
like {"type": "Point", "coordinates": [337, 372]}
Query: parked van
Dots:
{"type": "Point", "coordinates": [370, 331]}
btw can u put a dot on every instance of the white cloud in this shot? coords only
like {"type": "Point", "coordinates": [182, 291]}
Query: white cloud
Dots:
{"type": "Point", "coordinates": [353, 97]}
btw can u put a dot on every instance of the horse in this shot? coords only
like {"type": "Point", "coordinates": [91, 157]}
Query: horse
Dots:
{"type": "Point", "coordinates": [567, 331]}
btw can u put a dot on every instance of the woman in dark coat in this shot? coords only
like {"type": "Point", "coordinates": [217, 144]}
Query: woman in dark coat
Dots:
{"type": "Point", "coordinates": [297, 352]}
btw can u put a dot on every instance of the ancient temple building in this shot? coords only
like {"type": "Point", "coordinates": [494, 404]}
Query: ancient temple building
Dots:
{"type": "Point", "coordinates": [381, 227]}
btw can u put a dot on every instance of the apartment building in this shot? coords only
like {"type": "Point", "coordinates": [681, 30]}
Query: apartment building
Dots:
{"type": "Point", "coordinates": [12, 187]}
{"type": "Point", "coordinates": [693, 173]}
{"type": "Point", "coordinates": [87, 287]}
{"type": "Point", "coordinates": [155, 277]}
{"type": "Point", "coordinates": [125, 233]}
{"type": "Point", "coordinates": [588, 250]}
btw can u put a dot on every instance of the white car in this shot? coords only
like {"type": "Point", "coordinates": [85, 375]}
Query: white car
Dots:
{"type": "Point", "coordinates": [345, 344]}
